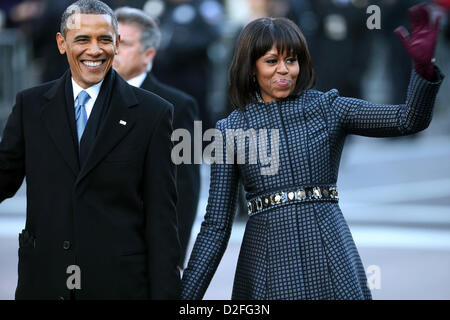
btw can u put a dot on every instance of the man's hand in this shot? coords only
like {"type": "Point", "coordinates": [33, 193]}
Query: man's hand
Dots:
{"type": "Point", "coordinates": [421, 44]}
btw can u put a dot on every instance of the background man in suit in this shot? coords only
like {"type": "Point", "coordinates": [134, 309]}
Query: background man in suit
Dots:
{"type": "Point", "coordinates": [140, 39]}
{"type": "Point", "coordinates": [101, 193]}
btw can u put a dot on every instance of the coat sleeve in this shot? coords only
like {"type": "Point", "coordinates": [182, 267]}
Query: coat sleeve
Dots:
{"type": "Point", "coordinates": [360, 117]}
{"type": "Point", "coordinates": [12, 153]}
{"type": "Point", "coordinates": [215, 230]}
{"type": "Point", "coordinates": [160, 197]}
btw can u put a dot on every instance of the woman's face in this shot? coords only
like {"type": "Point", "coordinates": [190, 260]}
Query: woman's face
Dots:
{"type": "Point", "coordinates": [276, 74]}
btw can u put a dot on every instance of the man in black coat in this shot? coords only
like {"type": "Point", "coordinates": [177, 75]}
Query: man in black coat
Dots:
{"type": "Point", "coordinates": [140, 38]}
{"type": "Point", "coordinates": [101, 193]}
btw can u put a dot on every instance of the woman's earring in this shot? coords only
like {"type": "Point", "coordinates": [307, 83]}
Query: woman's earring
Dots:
{"type": "Point", "coordinates": [255, 82]}
{"type": "Point", "coordinates": [258, 97]}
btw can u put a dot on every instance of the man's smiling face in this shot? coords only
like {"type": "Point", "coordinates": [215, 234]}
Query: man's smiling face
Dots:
{"type": "Point", "coordinates": [90, 49]}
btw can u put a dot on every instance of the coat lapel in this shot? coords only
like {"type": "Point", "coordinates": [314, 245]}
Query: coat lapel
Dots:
{"type": "Point", "coordinates": [118, 122]}
{"type": "Point", "coordinates": [54, 117]}
{"type": "Point", "coordinates": [149, 83]}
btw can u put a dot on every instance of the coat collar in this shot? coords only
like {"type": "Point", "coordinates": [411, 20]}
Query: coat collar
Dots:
{"type": "Point", "coordinates": [118, 121]}
{"type": "Point", "coordinates": [150, 82]}
{"type": "Point", "coordinates": [54, 117]}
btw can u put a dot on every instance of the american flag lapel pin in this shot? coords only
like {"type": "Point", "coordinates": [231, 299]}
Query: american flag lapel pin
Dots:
{"type": "Point", "coordinates": [124, 123]}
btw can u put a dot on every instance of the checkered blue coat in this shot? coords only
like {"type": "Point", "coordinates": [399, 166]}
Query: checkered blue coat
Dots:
{"type": "Point", "coordinates": [297, 250]}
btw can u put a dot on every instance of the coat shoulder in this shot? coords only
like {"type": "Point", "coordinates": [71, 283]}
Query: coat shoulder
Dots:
{"type": "Point", "coordinates": [178, 98]}
{"type": "Point", "coordinates": [37, 91]}
{"type": "Point", "coordinates": [235, 120]}
{"type": "Point", "coordinates": [314, 96]}
{"type": "Point", "coordinates": [151, 102]}
{"type": "Point", "coordinates": [173, 95]}
{"type": "Point", "coordinates": [31, 99]}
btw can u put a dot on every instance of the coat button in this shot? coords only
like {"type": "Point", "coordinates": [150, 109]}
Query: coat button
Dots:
{"type": "Point", "coordinates": [66, 245]}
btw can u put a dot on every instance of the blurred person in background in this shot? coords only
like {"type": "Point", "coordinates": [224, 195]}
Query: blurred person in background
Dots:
{"type": "Point", "coordinates": [188, 29]}
{"type": "Point", "coordinates": [297, 244]}
{"type": "Point", "coordinates": [101, 189]}
{"type": "Point", "coordinates": [139, 43]}
{"type": "Point", "coordinates": [337, 27]}
{"type": "Point", "coordinates": [37, 21]}
{"type": "Point", "coordinates": [5, 9]}
{"type": "Point", "coordinates": [444, 5]}
{"type": "Point", "coordinates": [114, 4]}
{"type": "Point", "coordinates": [50, 63]}
{"type": "Point", "coordinates": [397, 62]}
{"type": "Point", "coordinates": [22, 13]}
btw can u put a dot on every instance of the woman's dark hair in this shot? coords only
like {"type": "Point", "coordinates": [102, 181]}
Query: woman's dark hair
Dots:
{"type": "Point", "coordinates": [255, 40]}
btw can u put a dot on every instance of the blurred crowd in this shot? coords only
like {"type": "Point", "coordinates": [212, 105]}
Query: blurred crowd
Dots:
{"type": "Point", "coordinates": [198, 38]}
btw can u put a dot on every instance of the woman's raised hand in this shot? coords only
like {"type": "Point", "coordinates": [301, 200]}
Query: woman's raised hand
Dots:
{"type": "Point", "coordinates": [421, 43]}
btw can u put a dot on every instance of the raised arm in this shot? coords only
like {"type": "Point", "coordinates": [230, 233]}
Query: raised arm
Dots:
{"type": "Point", "coordinates": [361, 117]}
{"type": "Point", "coordinates": [215, 231]}
{"type": "Point", "coordinates": [365, 118]}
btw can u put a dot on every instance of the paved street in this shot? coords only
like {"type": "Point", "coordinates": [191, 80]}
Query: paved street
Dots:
{"type": "Point", "coordinates": [400, 220]}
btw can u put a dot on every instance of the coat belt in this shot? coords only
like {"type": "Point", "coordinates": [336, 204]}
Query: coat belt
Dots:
{"type": "Point", "coordinates": [302, 194]}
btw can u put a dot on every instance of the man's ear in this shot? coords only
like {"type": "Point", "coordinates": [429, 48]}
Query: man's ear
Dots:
{"type": "Point", "coordinates": [116, 50]}
{"type": "Point", "coordinates": [61, 43]}
{"type": "Point", "coordinates": [149, 54]}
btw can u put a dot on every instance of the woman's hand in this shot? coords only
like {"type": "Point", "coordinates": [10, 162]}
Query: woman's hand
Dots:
{"type": "Point", "coordinates": [421, 44]}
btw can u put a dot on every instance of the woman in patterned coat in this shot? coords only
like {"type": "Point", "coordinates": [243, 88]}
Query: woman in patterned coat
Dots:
{"type": "Point", "coordinates": [297, 244]}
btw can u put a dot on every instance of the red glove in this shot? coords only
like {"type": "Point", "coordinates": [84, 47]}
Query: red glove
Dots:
{"type": "Point", "coordinates": [420, 45]}
{"type": "Point", "coordinates": [445, 4]}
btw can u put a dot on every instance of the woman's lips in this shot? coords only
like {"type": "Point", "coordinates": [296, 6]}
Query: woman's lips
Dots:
{"type": "Point", "coordinates": [283, 83]}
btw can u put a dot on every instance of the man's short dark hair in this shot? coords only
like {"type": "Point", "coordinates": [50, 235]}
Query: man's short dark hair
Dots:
{"type": "Point", "coordinates": [150, 33]}
{"type": "Point", "coordinates": [255, 40]}
{"type": "Point", "coordinates": [87, 7]}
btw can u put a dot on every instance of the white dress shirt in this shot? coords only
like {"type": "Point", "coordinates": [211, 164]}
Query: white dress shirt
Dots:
{"type": "Point", "coordinates": [137, 81]}
{"type": "Point", "coordinates": [92, 91]}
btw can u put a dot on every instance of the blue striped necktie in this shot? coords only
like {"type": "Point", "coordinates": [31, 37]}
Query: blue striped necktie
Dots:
{"type": "Point", "coordinates": [80, 113]}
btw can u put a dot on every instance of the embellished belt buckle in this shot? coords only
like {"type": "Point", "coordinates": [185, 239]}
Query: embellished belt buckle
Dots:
{"type": "Point", "coordinates": [266, 202]}
{"type": "Point", "coordinates": [291, 195]}
{"type": "Point", "coordinates": [317, 193]}
{"type": "Point", "coordinates": [301, 194]}
{"type": "Point", "coordinates": [249, 205]}
{"type": "Point", "coordinates": [259, 204]}
{"type": "Point", "coordinates": [334, 193]}
{"type": "Point", "coordinates": [308, 193]}
{"type": "Point", "coordinates": [275, 198]}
